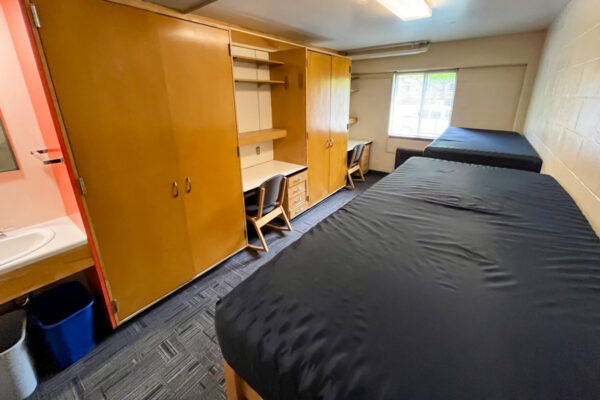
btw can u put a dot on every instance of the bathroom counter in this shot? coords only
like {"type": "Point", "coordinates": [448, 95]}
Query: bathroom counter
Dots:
{"type": "Point", "coordinates": [65, 236]}
{"type": "Point", "coordinates": [65, 254]}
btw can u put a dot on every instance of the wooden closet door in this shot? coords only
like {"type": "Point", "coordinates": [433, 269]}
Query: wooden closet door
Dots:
{"type": "Point", "coordinates": [340, 113]}
{"type": "Point", "coordinates": [106, 67]}
{"type": "Point", "coordinates": [199, 79]}
{"type": "Point", "coordinates": [318, 120]}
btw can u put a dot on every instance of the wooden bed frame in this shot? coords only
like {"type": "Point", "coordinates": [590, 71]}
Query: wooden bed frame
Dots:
{"type": "Point", "coordinates": [236, 387]}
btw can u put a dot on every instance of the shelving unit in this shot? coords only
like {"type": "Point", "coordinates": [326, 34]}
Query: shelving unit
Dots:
{"type": "Point", "coordinates": [261, 135]}
{"type": "Point", "coordinates": [257, 60]}
{"type": "Point", "coordinates": [260, 81]}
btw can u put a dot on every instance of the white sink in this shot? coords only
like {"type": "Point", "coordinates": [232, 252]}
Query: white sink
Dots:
{"type": "Point", "coordinates": [18, 245]}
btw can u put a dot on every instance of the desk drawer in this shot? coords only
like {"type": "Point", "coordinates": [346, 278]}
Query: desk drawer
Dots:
{"type": "Point", "coordinates": [296, 189]}
{"type": "Point", "coordinates": [296, 179]}
{"type": "Point", "coordinates": [296, 201]}
{"type": "Point", "coordinates": [298, 210]}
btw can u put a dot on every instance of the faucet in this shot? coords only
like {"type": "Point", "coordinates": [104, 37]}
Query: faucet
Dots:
{"type": "Point", "coordinates": [3, 231]}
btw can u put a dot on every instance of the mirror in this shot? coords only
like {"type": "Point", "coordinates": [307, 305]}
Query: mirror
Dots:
{"type": "Point", "coordinates": [7, 157]}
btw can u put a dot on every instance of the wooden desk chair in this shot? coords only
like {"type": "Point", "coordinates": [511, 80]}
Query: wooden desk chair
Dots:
{"type": "Point", "coordinates": [268, 206]}
{"type": "Point", "coordinates": [354, 165]}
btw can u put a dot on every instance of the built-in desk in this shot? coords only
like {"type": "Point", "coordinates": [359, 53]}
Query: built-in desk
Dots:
{"type": "Point", "coordinates": [353, 142]}
{"type": "Point", "coordinates": [253, 177]}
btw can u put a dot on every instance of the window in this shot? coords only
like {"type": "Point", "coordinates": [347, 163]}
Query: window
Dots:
{"type": "Point", "coordinates": [422, 104]}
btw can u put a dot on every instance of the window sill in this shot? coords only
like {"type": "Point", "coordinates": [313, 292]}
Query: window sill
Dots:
{"type": "Point", "coordinates": [423, 139]}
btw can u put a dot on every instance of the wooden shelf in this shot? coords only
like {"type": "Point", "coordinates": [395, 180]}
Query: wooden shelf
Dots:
{"type": "Point", "coordinates": [352, 120]}
{"type": "Point", "coordinates": [262, 135]}
{"type": "Point", "coordinates": [260, 81]}
{"type": "Point", "coordinates": [257, 60]}
{"type": "Point", "coordinates": [353, 91]}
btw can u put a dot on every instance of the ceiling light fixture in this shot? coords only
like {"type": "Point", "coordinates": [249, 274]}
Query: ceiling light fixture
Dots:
{"type": "Point", "coordinates": [392, 50]}
{"type": "Point", "coordinates": [408, 10]}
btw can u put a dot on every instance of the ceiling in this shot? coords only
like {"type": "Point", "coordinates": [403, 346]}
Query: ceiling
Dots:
{"type": "Point", "coordinates": [350, 24]}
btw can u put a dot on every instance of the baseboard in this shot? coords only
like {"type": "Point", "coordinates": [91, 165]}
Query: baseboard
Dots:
{"type": "Point", "coordinates": [378, 173]}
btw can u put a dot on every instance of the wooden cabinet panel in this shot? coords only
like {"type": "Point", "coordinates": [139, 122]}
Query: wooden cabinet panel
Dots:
{"type": "Point", "coordinates": [106, 68]}
{"type": "Point", "coordinates": [318, 109]}
{"type": "Point", "coordinates": [340, 111]}
{"type": "Point", "coordinates": [147, 102]}
{"type": "Point", "coordinates": [288, 103]}
{"type": "Point", "coordinates": [202, 111]}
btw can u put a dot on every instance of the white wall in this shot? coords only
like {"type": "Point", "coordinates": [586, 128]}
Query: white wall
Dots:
{"type": "Point", "coordinates": [494, 85]}
{"type": "Point", "coordinates": [564, 119]}
{"type": "Point", "coordinates": [253, 105]}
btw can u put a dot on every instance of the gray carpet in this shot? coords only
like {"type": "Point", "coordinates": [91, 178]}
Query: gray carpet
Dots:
{"type": "Point", "coordinates": [171, 351]}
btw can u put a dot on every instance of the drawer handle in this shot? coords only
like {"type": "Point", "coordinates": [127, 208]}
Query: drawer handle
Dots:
{"type": "Point", "coordinates": [175, 190]}
{"type": "Point", "coordinates": [297, 179]}
{"type": "Point", "coordinates": [188, 185]}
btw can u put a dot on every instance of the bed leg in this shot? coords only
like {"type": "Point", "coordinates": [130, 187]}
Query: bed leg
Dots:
{"type": "Point", "coordinates": [233, 385]}
{"type": "Point", "coordinates": [236, 387]}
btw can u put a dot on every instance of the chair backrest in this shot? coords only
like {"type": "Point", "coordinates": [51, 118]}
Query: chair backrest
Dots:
{"type": "Point", "coordinates": [274, 190]}
{"type": "Point", "coordinates": [356, 154]}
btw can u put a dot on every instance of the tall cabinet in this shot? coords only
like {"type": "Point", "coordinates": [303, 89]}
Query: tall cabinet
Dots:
{"type": "Point", "coordinates": [327, 111]}
{"type": "Point", "coordinates": [148, 110]}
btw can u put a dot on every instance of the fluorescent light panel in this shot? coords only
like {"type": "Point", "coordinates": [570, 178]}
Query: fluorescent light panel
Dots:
{"type": "Point", "coordinates": [408, 10]}
{"type": "Point", "coordinates": [392, 50]}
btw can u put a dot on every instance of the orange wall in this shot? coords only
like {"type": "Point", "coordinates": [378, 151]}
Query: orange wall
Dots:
{"type": "Point", "coordinates": [30, 195]}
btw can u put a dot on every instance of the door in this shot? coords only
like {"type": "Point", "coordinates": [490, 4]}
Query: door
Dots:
{"type": "Point", "coordinates": [340, 114]}
{"type": "Point", "coordinates": [318, 121]}
{"type": "Point", "coordinates": [106, 67]}
{"type": "Point", "coordinates": [199, 82]}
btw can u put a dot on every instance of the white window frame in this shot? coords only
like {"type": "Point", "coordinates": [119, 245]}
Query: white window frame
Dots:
{"type": "Point", "coordinates": [417, 136]}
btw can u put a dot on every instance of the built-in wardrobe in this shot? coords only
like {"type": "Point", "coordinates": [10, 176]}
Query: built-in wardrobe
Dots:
{"type": "Point", "coordinates": [327, 108]}
{"type": "Point", "coordinates": [148, 112]}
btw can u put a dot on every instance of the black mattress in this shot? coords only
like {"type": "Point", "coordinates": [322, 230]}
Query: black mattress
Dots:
{"type": "Point", "coordinates": [442, 281]}
{"type": "Point", "coordinates": [486, 147]}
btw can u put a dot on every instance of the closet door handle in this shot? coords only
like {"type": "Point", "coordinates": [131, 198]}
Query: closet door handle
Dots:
{"type": "Point", "coordinates": [188, 185]}
{"type": "Point", "coordinates": [175, 190]}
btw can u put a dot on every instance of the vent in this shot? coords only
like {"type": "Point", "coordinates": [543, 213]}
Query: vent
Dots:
{"type": "Point", "coordinates": [183, 6]}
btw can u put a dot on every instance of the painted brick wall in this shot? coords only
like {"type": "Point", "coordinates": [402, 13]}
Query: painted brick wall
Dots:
{"type": "Point", "coordinates": [564, 119]}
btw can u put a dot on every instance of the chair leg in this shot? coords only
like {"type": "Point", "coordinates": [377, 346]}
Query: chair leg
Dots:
{"type": "Point", "coordinates": [283, 216]}
{"type": "Point", "coordinates": [350, 186]}
{"type": "Point", "coordinates": [262, 240]}
{"type": "Point", "coordinates": [362, 177]}
{"type": "Point", "coordinates": [286, 219]}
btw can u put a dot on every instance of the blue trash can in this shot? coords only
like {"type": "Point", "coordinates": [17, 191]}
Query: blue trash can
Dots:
{"type": "Point", "coordinates": [64, 316]}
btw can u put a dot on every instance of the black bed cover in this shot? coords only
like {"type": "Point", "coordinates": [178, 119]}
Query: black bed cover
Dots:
{"type": "Point", "coordinates": [486, 147]}
{"type": "Point", "coordinates": [443, 281]}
